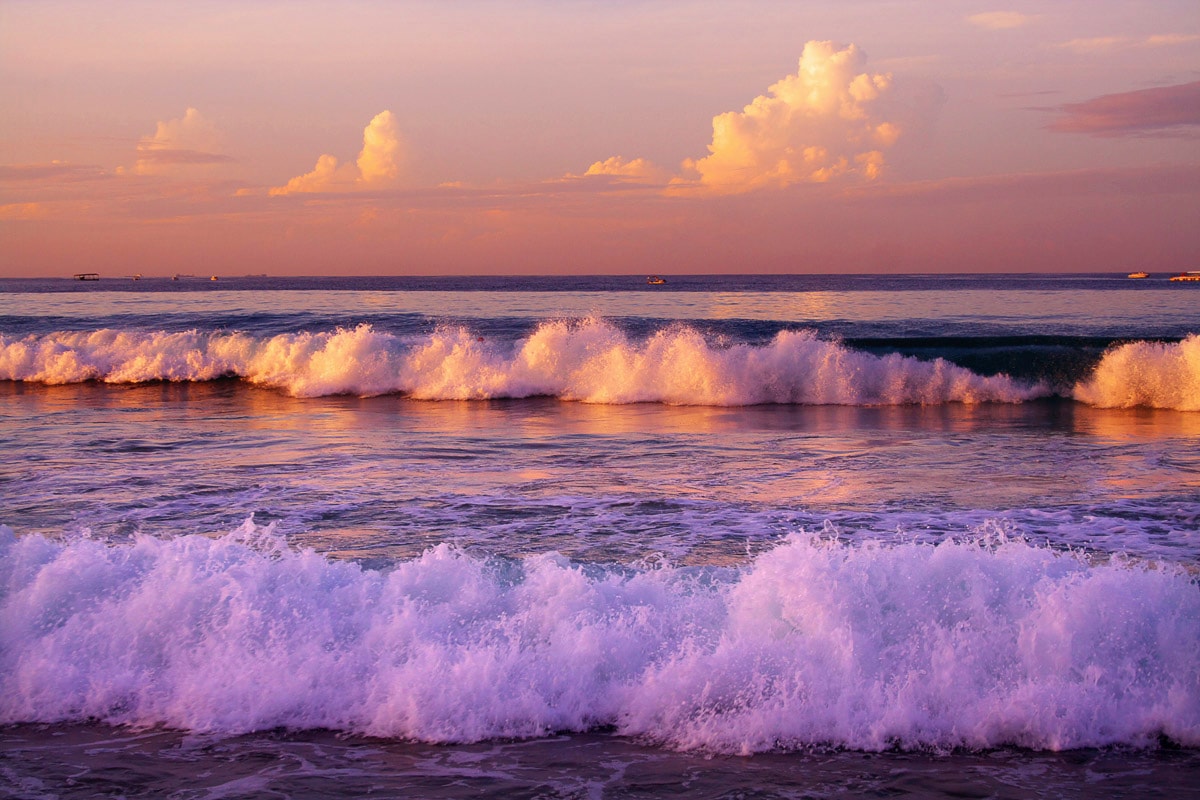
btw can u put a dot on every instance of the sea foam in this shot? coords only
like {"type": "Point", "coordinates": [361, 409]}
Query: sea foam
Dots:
{"type": "Point", "coordinates": [1155, 374]}
{"type": "Point", "coordinates": [589, 360]}
{"type": "Point", "coordinates": [813, 643]}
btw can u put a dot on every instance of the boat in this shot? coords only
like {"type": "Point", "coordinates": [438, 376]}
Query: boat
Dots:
{"type": "Point", "coordinates": [654, 280]}
{"type": "Point", "coordinates": [1139, 274]}
{"type": "Point", "coordinates": [87, 276]}
{"type": "Point", "coordinates": [1186, 276]}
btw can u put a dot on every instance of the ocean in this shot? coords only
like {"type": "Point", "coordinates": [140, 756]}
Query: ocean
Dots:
{"type": "Point", "coordinates": [587, 537]}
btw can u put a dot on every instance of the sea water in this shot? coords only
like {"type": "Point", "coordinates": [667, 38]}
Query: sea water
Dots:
{"type": "Point", "coordinates": [587, 537]}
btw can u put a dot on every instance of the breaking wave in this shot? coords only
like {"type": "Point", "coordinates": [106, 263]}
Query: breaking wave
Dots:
{"type": "Point", "coordinates": [1154, 374]}
{"type": "Point", "coordinates": [589, 360]}
{"type": "Point", "coordinates": [816, 642]}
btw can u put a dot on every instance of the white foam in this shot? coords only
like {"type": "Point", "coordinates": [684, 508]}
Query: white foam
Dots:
{"type": "Point", "coordinates": [868, 646]}
{"type": "Point", "coordinates": [1150, 374]}
{"type": "Point", "coordinates": [588, 360]}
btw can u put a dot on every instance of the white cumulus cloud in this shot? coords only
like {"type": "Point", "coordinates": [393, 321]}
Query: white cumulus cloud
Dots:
{"type": "Point", "coordinates": [824, 122]}
{"type": "Point", "coordinates": [636, 170]}
{"type": "Point", "coordinates": [378, 163]}
{"type": "Point", "coordinates": [192, 140]}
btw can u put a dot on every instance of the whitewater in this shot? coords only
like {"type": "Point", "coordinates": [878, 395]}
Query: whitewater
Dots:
{"type": "Point", "coordinates": [589, 360]}
{"type": "Point", "coordinates": [962, 644]}
{"type": "Point", "coordinates": [785, 535]}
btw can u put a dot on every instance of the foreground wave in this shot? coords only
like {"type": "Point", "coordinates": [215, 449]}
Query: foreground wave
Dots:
{"type": "Point", "coordinates": [815, 642]}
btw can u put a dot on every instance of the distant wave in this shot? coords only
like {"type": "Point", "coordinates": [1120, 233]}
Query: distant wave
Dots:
{"type": "Point", "coordinates": [589, 360]}
{"type": "Point", "coordinates": [816, 642]}
{"type": "Point", "coordinates": [1146, 374]}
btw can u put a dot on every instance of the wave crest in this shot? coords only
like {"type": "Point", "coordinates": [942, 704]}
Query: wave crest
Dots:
{"type": "Point", "coordinates": [589, 360]}
{"type": "Point", "coordinates": [1154, 374]}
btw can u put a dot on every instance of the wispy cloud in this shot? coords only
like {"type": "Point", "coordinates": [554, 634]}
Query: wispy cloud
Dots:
{"type": "Point", "coordinates": [1001, 20]}
{"type": "Point", "coordinates": [1169, 39]}
{"type": "Point", "coordinates": [10, 212]}
{"type": "Point", "coordinates": [1166, 110]}
{"type": "Point", "coordinates": [1110, 44]}
{"type": "Point", "coordinates": [151, 160]}
{"type": "Point", "coordinates": [1038, 93]}
{"type": "Point", "coordinates": [1142, 181]}
{"type": "Point", "coordinates": [51, 171]}
{"type": "Point", "coordinates": [378, 163]}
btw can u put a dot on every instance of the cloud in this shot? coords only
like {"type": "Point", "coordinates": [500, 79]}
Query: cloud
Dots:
{"type": "Point", "coordinates": [189, 141]}
{"type": "Point", "coordinates": [824, 122]}
{"type": "Point", "coordinates": [1109, 44]}
{"type": "Point", "coordinates": [378, 164]}
{"type": "Point", "coordinates": [150, 160]}
{"type": "Point", "coordinates": [1000, 20]}
{"type": "Point", "coordinates": [637, 170]}
{"type": "Point", "coordinates": [1025, 187]}
{"type": "Point", "coordinates": [50, 171]}
{"type": "Point", "coordinates": [1170, 39]}
{"type": "Point", "coordinates": [381, 153]}
{"type": "Point", "coordinates": [1096, 44]}
{"type": "Point", "coordinates": [23, 211]}
{"type": "Point", "coordinates": [1163, 110]}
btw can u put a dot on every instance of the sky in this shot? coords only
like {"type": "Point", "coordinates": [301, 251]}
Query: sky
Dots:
{"type": "Point", "coordinates": [620, 137]}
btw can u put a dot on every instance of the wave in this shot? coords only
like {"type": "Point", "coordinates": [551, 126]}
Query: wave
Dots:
{"type": "Point", "coordinates": [589, 360]}
{"type": "Point", "coordinates": [1154, 374]}
{"type": "Point", "coordinates": [814, 643]}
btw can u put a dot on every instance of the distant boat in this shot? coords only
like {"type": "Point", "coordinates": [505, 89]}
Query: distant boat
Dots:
{"type": "Point", "coordinates": [87, 276]}
{"type": "Point", "coordinates": [213, 278]}
{"type": "Point", "coordinates": [654, 280]}
{"type": "Point", "coordinates": [1139, 274]}
{"type": "Point", "coordinates": [1186, 276]}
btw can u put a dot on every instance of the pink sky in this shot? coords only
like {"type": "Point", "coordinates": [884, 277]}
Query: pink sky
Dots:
{"type": "Point", "coordinates": [576, 137]}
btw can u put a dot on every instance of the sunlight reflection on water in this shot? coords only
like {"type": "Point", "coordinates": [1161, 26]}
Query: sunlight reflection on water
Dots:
{"type": "Point", "coordinates": [167, 458]}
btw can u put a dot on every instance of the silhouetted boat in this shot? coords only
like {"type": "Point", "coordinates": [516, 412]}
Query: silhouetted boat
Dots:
{"type": "Point", "coordinates": [654, 280]}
